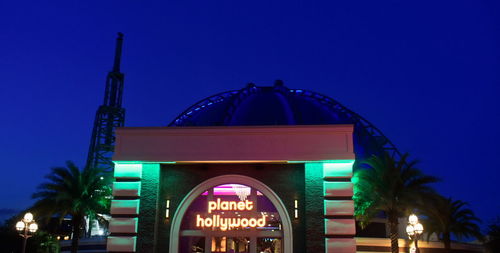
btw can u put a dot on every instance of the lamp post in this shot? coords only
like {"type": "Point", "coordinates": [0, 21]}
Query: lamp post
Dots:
{"type": "Point", "coordinates": [414, 230]}
{"type": "Point", "coordinates": [26, 227]}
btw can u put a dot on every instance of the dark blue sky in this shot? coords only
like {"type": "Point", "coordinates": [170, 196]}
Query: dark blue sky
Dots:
{"type": "Point", "coordinates": [426, 73]}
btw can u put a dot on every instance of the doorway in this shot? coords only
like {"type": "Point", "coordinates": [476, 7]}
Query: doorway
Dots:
{"type": "Point", "coordinates": [231, 214]}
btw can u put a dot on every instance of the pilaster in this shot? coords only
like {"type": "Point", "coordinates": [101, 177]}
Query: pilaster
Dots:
{"type": "Point", "coordinates": [148, 222]}
{"type": "Point", "coordinates": [338, 207]}
{"type": "Point", "coordinates": [125, 208]}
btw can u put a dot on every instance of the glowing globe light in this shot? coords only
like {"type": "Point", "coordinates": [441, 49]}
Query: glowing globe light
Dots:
{"type": "Point", "coordinates": [419, 228]}
{"type": "Point", "coordinates": [28, 217]}
{"type": "Point", "coordinates": [413, 219]}
{"type": "Point", "coordinates": [410, 230]}
{"type": "Point", "coordinates": [414, 229]}
{"type": "Point", "coordinates": [26, 227]}
{"type": "Point", "coordinates": [20, 226]}
{"type": "Point", "coordinates": [33, 227]}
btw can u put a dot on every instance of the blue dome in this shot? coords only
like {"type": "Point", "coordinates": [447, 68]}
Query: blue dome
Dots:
{"type": "Point", "coordinates": [279, 105]}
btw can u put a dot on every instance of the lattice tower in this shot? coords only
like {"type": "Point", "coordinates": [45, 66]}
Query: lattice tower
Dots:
{"type": "Point", "coordinates": [109, 116]}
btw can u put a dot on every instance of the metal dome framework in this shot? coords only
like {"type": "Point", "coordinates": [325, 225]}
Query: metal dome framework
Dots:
{"type": "Point", "coordinates": [363, 127]}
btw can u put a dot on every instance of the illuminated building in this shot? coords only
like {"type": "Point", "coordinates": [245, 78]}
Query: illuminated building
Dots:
{"type": "Point", "coordinates": [261, 169]}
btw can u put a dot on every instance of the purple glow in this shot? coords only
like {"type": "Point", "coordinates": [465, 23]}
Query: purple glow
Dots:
{"type": "Point", "coordinates": [229, 190]}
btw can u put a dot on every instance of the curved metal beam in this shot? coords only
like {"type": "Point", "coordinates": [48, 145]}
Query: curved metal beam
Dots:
{"type": "Point", "coordinates": [237, 96]}
{"type": "Point", "coordinates": [375, 134]}
{"type": "Point", "coordinates": [217, 98]}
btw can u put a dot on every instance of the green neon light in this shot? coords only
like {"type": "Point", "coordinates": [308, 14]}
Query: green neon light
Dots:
{"type": "Point", "coordinates": [128, 170]}
{"type": "Point", "coordinates": [131, 206]}
{"type": "Point", "coordinates": [337, 169]}
{"type": "Point", "coordinates": [314, 171]}
{"type": "Point", "coordinates": [141, 162]}
{"type": "Point", "coordinates": [327, 168]}
{"type": "Point", "coordinates": [355, 180]}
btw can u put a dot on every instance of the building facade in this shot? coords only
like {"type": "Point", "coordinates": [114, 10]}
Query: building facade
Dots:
{"type": "Point", "coordinates": [233, 189]}
{"type": "Point", "coordinates": [257, 170]}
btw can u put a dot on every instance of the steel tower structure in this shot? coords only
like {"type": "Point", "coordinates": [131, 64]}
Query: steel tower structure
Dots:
{"type": "Point", "coordinates": [109, 116]}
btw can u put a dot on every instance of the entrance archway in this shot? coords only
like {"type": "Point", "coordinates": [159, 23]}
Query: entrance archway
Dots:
{"type": "Point", "coordinates": [286, 224]}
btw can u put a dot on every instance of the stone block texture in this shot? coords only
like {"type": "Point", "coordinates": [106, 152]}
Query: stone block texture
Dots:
{"type": "Point", "coordinates": [149, 219]}
{"type": "Point", "coordinates": [315, 232]}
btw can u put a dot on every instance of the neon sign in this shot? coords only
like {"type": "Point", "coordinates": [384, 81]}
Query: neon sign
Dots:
{"type": "Point", "coordinates": [230, 205]}
{"type": "Point", "coordinates": [228, 223]}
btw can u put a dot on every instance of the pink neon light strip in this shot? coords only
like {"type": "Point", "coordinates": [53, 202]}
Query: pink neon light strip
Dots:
{"type": "Point", "coordinates": [227, 190]}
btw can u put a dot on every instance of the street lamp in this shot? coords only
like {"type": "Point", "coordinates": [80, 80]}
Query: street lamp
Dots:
{"type": "Point", "coordinates": [414, 230]}
{"type": "Point", "coordinates": [26, 227]}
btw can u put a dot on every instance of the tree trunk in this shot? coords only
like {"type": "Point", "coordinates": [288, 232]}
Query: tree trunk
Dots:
{"type": "Point", "coordinates": [88, 231]}
{"type": "Point", "coordinates": [447, 242]}
{"type": "Point", "coordinates": [393, 230]}
{"type": "Point", "coordinates": [77, 221]}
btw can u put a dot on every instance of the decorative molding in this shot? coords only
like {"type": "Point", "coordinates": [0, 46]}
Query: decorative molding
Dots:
{"type": "Point", "coordinates": [127, 189]}
{"type": "Point", "coordinates": [130, 207]}
{"type": "Point", "coordinates": [340, 245]}
{"type": "Point", "coordinates": [340, 227]}
{"type": "Point", "coordinates": [339, 207]}
{"type": "Point", "coordinates": [338, 189]}
{"type": "Point", "coordinates": [337, 170]}
{"type": "Point", "coordinates": [121, 243]}
{"type": "Point", "coordinates": [125, 207]}
{"type": "Point", "coordinates": [123, 225]}
{"type": "Point", "coordinates": [128, 171]}
{"type": "Point", "coordinates": [249, 143]}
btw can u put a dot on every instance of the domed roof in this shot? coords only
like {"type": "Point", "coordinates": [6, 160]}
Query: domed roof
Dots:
{"type": "Point", "coordinates": [279, 105]}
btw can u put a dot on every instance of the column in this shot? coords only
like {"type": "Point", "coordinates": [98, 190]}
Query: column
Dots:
{"type": "Point", "coordinates": [313, 216]}
{"type": "Point", "coordinates": [340, 227]}
{"type": "Point", "coordinates": [149, 209]}
{"type": "Point", "coordinates": [125, 208]}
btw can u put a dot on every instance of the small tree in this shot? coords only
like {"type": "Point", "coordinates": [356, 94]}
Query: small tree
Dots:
{"type": "Point", "coordinates": [44, 242]}
{"type": "Point", "coordinates": [392, 187]}
{"type": "Point", "coordinates": [76, 192]}
{"type": "Point", "coordinates": [447, 217]}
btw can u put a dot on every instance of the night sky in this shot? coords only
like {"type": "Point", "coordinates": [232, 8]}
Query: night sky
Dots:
{"type": "Point", "coordinates": [426, 73]}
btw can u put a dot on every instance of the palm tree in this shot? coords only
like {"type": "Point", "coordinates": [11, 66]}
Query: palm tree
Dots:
{"type": "Point", "coordinates": [493, 243]}
{"type": "Point", "coordinates": [72, 191]}
{"type": "Point", "coordinates": [447, 216]}
{"type": "Point", "coordinates": [382, 184]}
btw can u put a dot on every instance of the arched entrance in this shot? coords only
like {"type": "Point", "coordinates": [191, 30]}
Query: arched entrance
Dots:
{"type": "Point", "coordinates": [217, 225]}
